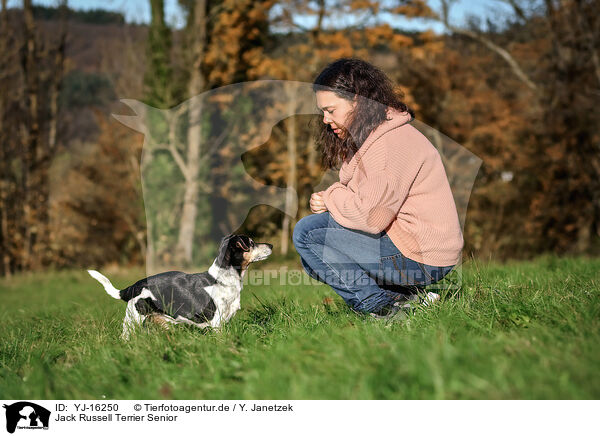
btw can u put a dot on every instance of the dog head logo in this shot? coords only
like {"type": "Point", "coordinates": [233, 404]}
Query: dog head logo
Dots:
{"type": "Point", "coordinates": [26, 415]}
{"type": "Point", "coordinates": [193, 162]}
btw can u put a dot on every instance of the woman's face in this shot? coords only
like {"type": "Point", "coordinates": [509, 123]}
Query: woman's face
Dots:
{"type": "Point", "coordinates": [335, 111]}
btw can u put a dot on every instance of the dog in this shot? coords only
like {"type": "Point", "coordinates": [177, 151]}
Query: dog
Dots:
{"type": "Point", "coordinates": [206, 299]}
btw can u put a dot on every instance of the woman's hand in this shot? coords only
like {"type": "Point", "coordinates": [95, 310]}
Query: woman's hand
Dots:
{"type": "Point", "coordinates": [317, 205]}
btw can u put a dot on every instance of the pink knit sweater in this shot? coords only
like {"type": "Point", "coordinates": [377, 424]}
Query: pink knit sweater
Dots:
{"type": "Point", "coordinates": [396, 182]}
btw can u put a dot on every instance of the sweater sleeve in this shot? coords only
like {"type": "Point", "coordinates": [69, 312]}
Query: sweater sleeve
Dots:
{"type": "Point", "coordinates": [375, 201]}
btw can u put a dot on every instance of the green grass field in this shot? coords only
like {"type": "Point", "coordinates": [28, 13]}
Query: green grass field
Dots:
{"type": "Point", "coordinates": [515, 331]}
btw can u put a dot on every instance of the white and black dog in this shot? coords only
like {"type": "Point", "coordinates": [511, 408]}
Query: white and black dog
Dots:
{"type": "Point", "coordinates": [205, 299]}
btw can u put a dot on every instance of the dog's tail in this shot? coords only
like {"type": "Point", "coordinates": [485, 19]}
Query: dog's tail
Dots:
{"type": "Point", "coordinates": [110, 289]}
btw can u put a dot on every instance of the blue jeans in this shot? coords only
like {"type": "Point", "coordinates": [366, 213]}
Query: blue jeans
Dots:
{"type": "Point", "coordinates": [366, 270]}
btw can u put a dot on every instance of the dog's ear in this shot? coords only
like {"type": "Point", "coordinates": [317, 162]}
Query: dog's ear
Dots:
{"type": "Point", "coordinates": [222, 255]}
{"type": "Point", "coordinates": [240, 243]}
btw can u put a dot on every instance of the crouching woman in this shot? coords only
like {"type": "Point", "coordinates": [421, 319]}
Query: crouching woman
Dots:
{"type": "Point", "coordinates": [389, 227]}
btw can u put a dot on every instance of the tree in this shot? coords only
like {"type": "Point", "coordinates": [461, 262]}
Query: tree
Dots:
{"type": "Point", "coordinates": [31, 75]}
{"type": "Point", "coordinates": [100, 195]}
{"type": "Point", "coordinates": [544, 136]}
{"type": "Point", "coordinates": [158, 77]}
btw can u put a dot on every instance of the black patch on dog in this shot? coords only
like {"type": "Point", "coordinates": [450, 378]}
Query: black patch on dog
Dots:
{"type": "Point", "coordinates": [180, 294]}
{"type": "Point", "coordinates": [175, 294]}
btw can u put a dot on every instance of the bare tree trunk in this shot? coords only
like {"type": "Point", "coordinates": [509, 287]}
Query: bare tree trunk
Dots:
{"type": "Point", "coordinates": [150, 252]}
{"type": "Point", "coordinates": [197, 84]}
{"type": "Point", "coordinates": [31, 136]}
{"type": "Point", "coordinates": [560, 50]}
{"type": "Point", "coordinates": [59, 66]}
{"type": "Point", "coordinates": [129, 219]}
{"type": "Point", "coordinates": [584, 236]}
{"type": "Point", "coordinates": [312, 160]}
{"type": "Point", "coordinates": [4, 229]}
{"type": "Point", "coordinates": [589, 37]}
{"type": "Point", "coordinates": [291, 175]}
{"type": "Point", "coordinates": [3, 189]}
{"type": "Point", "coordinates": [188, 218]}
{"type": "Point", "coordinates": [4, 243]}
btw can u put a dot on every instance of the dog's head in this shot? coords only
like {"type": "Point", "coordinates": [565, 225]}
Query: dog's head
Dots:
{"type": "Point", "coordinates": [239, 251]}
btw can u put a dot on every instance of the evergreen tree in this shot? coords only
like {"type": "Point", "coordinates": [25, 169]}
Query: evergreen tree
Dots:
{"type": "Point", "coordinates": [158, 76]}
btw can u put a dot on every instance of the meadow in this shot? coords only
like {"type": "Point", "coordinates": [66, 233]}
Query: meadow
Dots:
{"type": "Point", "coordinates": [519, 330]}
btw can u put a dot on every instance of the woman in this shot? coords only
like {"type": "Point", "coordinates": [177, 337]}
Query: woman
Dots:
{"type": "Point", "coordinates": [390, 225]}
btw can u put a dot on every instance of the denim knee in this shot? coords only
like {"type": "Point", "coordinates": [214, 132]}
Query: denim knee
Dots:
{"type": "Point", "coordinates": [303, 226]}
{"type": "Point", "coordinates": [299, 233]}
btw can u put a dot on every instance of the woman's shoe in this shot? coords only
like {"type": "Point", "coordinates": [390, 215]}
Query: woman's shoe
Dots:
{"type": "Point", "coordinates": [430, 298]}
{"type": "Point", "coordinates": [395, 310]}
{"type": "Point", "coordinates": [408, 303]}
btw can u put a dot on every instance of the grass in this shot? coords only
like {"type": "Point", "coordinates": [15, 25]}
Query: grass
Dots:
{"type": "Point", "coordinates": [523, 330]}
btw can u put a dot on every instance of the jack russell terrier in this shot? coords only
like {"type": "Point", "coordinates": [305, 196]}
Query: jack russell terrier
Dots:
{"type": "Point", "coordinates": [205, 299]}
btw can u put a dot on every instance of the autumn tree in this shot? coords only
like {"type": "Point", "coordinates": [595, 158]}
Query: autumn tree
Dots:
{"type": "Point", "coordinates": [100, 195]}
{"type": "Point", "coordinates": [521, 100]}
{"type": "Point", "coordinates": [31, 74]}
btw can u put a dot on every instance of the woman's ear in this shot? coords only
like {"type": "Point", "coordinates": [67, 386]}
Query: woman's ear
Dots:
{"type": "Point", "coordinates": [242, 245]}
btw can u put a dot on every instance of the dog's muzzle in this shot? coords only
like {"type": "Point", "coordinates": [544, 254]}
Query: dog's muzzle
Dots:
{"type": "Point", "coordinates": [261, 252]}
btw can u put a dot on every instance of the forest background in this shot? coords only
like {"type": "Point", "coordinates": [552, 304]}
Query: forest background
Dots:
{"type": "Point", "coordinates": [520, 91]}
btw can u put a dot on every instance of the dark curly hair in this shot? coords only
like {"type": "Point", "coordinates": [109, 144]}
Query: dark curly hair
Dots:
{"type": "Point", "coordinates": [349, 78]}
